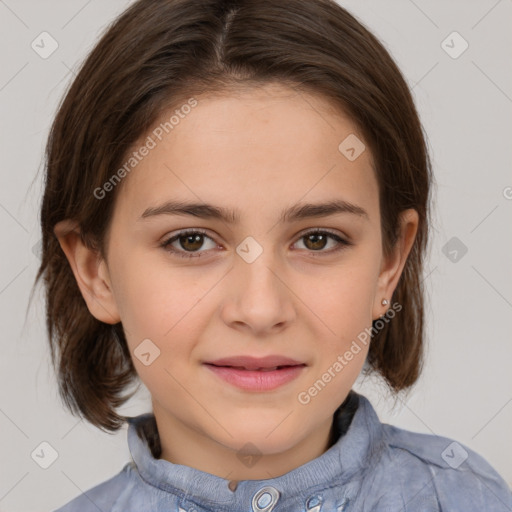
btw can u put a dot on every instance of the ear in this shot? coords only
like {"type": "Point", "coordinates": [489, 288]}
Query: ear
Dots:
{"type": "Point", "coordinates": [91, 272]}
{"type": "Point", "coordinates": [392, 266]}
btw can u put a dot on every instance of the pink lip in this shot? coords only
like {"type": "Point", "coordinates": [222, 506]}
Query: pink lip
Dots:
{"type": "Point", "coordinates": [254, 363]}
{"type": "Point", "coordinates": [257, 380]}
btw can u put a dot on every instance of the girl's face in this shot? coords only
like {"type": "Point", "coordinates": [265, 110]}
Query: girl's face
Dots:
{"type": "Point", "coordinates": [256, 283]}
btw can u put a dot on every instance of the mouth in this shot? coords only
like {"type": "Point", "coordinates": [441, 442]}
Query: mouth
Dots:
{"type": "Point", "coordinates": [256, 378]}
{"type": "Point", "coordinates": [256, 369]}
{"type": "Point", "coordinates": [253, 363]}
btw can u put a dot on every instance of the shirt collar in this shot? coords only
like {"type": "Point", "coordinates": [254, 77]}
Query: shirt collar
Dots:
{"type": "Point", "coordinates": [336, 466]}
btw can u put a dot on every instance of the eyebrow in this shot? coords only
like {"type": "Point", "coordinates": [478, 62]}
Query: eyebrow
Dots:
{"type": "Point", "coordinates": [295, 213]}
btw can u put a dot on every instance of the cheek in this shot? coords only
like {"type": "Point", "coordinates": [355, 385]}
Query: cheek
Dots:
{"type": "Point", "coordinates": [342, 298]}
{"type": "Point", "coordinates": [163, 305]}
{"type": "Point", "coordinates": [161, 323]}
{"type": "Point", "coordinates": [343, 316]}
{"type": "Point", "coordinates": [152, 296]}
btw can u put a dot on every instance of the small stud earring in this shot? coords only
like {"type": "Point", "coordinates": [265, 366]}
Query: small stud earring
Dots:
{"type": "Point", "coordinates": [385, 302]}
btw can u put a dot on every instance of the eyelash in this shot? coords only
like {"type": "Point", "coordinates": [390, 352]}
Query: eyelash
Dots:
{"type": "Point", "coordinates": [182, 254]}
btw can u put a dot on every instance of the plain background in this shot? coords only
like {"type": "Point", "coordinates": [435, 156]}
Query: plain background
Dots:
{"type": "Point", "coordinates": [465, 104]}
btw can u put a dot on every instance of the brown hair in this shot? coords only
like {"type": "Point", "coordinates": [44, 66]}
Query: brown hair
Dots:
{"type": "Point", "coordinates": [157, 53]}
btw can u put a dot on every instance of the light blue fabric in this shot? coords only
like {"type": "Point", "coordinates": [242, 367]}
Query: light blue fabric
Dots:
{"type": "Point", "coordinates": [374, 467]}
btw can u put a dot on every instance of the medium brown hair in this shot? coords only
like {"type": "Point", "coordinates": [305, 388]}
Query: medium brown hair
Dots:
{"type": "Point", "coordinates": [155, 54]}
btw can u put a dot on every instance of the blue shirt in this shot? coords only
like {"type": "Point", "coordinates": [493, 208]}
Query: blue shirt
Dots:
{"type": "Point", "coordinates": [371, 467]}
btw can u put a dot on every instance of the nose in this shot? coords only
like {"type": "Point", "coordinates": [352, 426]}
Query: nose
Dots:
{"type": "Point", "coordinates": [258, 296]}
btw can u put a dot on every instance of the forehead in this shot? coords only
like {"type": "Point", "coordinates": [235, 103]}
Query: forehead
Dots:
{"type": "Point", "coordinates": [255, 148]}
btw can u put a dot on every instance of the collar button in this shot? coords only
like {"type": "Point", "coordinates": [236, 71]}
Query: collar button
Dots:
{"type": "Point", "coordinates": [314, 503]}
{"type": "Point", "coordinates": [265, 499]}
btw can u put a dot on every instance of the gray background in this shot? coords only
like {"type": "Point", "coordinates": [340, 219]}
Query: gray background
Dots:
{"type": "Point", "coordinates": [465, 103]}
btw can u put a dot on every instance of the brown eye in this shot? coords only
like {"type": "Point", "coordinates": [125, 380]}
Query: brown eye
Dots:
{"type": "Point", "coordinates": [318, 240]}
{"type": "Point", "coordinates": [187, 242]}
{"type": "Point", "coordinates": [191, 242]}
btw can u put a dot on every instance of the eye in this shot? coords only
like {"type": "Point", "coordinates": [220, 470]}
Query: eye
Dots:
{"type": "Point", "coordinates": [193, 239]}
{"type": "Point", "coordinates": [317, 239]}
{"type": "Point", "coordinates": [190, 240]}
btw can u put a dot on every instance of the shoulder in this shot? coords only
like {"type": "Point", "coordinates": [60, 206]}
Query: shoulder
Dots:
{"type": "Point", "coordinates": [460, 478]}
{"type": "Point", "coordinates": [101, 497]}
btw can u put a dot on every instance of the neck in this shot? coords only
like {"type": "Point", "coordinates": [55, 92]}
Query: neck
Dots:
{"type": "Point", "coordinates": [185, 446]}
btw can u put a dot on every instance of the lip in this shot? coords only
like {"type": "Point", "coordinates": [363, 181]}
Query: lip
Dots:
{"type": "Point", "coordinates": [253, 363]}
{"type": "Point", "coordinates": [256, 373]}
{"type": "Point", "coordinates": [257, 380]}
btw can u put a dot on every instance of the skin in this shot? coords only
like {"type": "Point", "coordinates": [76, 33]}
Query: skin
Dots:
{"type": "Point", "coordinates": [257, 151]}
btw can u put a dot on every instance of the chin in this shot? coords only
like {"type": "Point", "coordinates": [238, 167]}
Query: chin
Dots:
{"type": "Point", "coordinates": [263, 441]}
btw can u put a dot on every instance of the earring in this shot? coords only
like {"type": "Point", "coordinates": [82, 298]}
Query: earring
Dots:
{"type": "Point", "coordinates": [384, 302]}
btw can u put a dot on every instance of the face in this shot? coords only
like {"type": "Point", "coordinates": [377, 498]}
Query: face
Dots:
{"type": "Point", "coordinates": [260, 284]}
